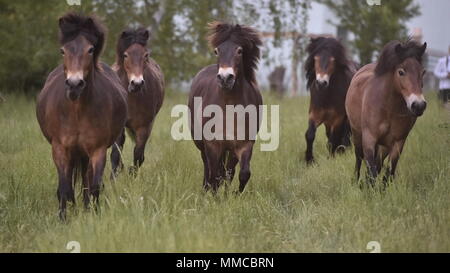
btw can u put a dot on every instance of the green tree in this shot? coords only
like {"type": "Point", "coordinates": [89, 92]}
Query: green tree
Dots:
{"type": "Point", "coordinates": [29, 46]}
{"type": "Point", "coordinates": [373, 25]}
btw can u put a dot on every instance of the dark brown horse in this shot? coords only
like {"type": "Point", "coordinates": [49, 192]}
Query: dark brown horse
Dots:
{"type": "Point", "coordinates": [328, 73]}
{"type": "Point", "coordinates": [81, 109]}
{"type": "Point", "coordinates": [143, 79]}
{"type": "Point", "coordinates": [230, 82]}
{"type": "Point", "coordinates": [383, 102]}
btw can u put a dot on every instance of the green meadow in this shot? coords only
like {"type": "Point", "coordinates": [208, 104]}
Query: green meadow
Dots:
{"type": "Point", "coordinates": [286, 207]}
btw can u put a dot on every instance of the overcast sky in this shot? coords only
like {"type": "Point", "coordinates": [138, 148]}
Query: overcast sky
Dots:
{"type": "Point", "coordinates": [434, 22]}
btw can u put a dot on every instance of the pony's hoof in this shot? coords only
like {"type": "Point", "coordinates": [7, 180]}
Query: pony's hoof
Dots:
{"type": "Point", "coordinates": [132, 171]}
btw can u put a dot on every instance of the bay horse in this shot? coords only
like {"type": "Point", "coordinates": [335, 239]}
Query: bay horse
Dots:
{"type": "Point", "coordinates": [144, 80]}
{"type": "Point", "coordinates": [328, 74]}
{"type": "Point", "coordinates": [81, 110]}
{"type": "Point", "coordinates": [383, 102]}
{"type": "Point", "coordinates": [230, 82]}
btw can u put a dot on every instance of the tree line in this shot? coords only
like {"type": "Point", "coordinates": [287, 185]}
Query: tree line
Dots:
{"type": "Point", "coordinates": [29, 48]}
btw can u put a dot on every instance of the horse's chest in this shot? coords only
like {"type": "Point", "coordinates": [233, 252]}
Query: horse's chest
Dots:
{"type": "Point", "coordinates": [395, 130]}
{"type": "Point", "coordinates": [82, 130]}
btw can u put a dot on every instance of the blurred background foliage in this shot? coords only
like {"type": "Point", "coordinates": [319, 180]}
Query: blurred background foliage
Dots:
{"type": "Point", "coordinates": [29, 46]}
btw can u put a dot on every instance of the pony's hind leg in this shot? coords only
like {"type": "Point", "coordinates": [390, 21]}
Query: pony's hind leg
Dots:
{"type": "Point", "coordinates": [63, 160]}
{"type": "Point", "coordinates": [358, 160]}
{"type": "Point", "coordinates": [206, 184]}
{"type": "Point", "coordinates": [230, 167]}
{"type": "Point", "coordinates": [142, 135]}
{"type": "Point", "coordinates": [116, 155]}
{"type": "Point", "coordinates": [85, 174]}
{"type": "Point", "coordinates": [310, 135]}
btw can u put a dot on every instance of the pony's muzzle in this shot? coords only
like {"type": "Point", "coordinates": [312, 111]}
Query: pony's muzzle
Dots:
{"type": "Point", "coordinates": [418, 107]}
{"type": "Point", "coordinates": [136, 84]}
{"type": "Point", "coordinates": [322, 84]}
{"type": "Point", "coordinates": [74, 88]}
{"type": "Point", "coordinates": [226, 80]}
{"type": "Point", "coordinates": [416, 104]}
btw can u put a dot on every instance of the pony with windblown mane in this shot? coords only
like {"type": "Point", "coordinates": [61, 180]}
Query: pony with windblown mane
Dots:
{"type": "Point", "coordinates": [383, 103]}
{"type": "Point", "coordinates": [229, 82]}
{"type": "Point", "coordinates": [81, 110]}
{"type": "Point", "coordinates": [328, 74]}
{"type": "Point", "coordinates": [144, 80]}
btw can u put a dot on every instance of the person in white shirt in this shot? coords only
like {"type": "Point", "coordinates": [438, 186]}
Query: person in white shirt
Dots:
{"type": "Point", "coordinates": [442, 72]}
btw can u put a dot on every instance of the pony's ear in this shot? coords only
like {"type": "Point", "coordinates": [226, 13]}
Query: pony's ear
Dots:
{"type": "Point", "coordinates": [399, 49]}
{"type": "Point", "coordinates": [422, 49]}
{"type": "Point", "coordinates": [89, 22]}
{"type": "Point", "coordinates": [60, 21]}
{"type": "Point", "coordinates": [146, 34]}
{"type": "Point", "coordinates": [123, 34]}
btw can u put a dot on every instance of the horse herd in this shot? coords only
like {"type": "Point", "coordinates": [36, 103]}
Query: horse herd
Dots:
{"type": "Point", "coordinates": [85, 105]}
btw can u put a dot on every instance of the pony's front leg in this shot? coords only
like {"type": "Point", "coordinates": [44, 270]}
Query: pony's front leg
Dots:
{"type": "Point", "coordinates": [394, 156]}
{"type": "Point", "coordinates": [63, 161]}
{"type": "Point", "coordinates": [310, 135]}
{"type": "Point", "coordinates": [244, 160]}
{"type": "Point", "coordinates": [213, 155]}
{"type": "Point", "coordinates": [97, 162]}
{"type": "Point", "coordinates": [142, 135]}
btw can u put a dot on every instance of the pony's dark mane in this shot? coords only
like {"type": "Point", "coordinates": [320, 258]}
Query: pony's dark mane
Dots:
{"type": "Point", "coordinates": [321, 44]}
{"type": "Point", "coordinates": [128, 38]}
{"type": "Point", "coordinates": [73, 24]}
{"type": "Point", "coordinates": [245, 36]}
{"type": "Point", "coordinates": [395, 52]}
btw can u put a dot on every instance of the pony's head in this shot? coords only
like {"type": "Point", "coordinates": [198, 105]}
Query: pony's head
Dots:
{"type": "Point", "coordinates": [237, 51]}
{"type": "Point", "coordinates": [133, 56]}
{"type": "Point", "coordinates": [403, 61]}
{"type": "Point", "coordinates": [326, 55]}
{"type": "Point", "coordinates": [82, 39]}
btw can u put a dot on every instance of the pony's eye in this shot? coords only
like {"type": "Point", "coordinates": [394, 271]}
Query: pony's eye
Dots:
{"type": "Point", "coordinates": [91, 50]}
{"type": "Point", "coordinates": [401, 72]}
{"type": "Point", "coordinates": [216, 51]}
{"type": "Point", "coordinates": [61, 51]}
{"type": "Point", "coordinates": [239, 51]}
{"type": "Point", "coordinates": [125, 55]}
{"type": "Point", "coordinates": [146, 56]}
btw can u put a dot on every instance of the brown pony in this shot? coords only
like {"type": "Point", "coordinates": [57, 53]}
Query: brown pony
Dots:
{"type": "Point", "coordinates": [328, 73]}
{"type": "Point", "coordinates": [81, 109]}
{"type": "Point", "coordinates": [383, 102]}
{"type": "Point", "coordinates": [143, 79]}
{"type": "Point", "coordinates": [229, 82]}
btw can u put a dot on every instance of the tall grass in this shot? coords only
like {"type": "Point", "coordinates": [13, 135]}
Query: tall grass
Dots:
{"type": "Point", "coordinates": [287, 206]}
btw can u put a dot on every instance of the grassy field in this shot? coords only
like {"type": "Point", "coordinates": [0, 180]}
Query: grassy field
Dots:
{"type": "Point", "coordinates": [287, 206]}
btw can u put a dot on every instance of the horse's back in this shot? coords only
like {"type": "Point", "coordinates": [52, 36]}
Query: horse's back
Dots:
{"type": "Point", "coordinates": [356, 93]}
